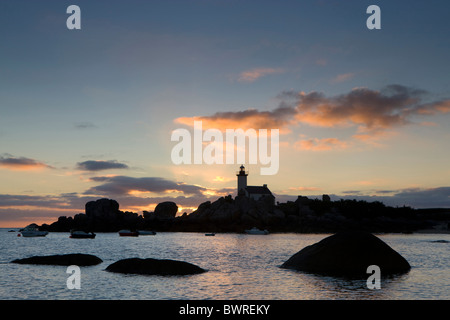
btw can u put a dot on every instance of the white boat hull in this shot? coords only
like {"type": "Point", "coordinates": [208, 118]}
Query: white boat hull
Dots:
{"type": "Point", "coordinates": [29, 234]}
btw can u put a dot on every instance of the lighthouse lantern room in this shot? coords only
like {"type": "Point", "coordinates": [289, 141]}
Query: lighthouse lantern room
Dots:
{"type": "Point", "coordinates": [242, 180]}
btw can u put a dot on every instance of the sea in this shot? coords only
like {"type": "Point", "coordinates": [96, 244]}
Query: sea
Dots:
{"type": "Point", "coordinates": [240, 267]}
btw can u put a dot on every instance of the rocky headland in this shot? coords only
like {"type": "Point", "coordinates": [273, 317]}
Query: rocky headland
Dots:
{"type": "Point", "coordinates": [228, 214]}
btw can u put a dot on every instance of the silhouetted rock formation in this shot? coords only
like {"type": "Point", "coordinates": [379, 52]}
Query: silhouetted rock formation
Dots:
{"type": "Point", "coordinates": [62, 260]}
{"type": "Point", "coordinates": [348, 254]}
{"type": "Point", "coordinates": [235, 215]}
{"type": "Point", "coordinates": [154, 267]}
{"type": "Point", "coordinates": [166, 209]}
{"type": "Point", "coordinates": [102, 209]}
{"type": "Point", "coordinates": [226, 214]}
{"type": "Point", "coordinates": [102, 215]}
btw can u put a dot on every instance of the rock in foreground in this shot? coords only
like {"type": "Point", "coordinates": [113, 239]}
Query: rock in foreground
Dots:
{"type": "Point", "coordinates": [78, 259]}
{"type": "Point", "coordinates": [154, 267]}
{"type": "Point", "coordinates": [348, 254]}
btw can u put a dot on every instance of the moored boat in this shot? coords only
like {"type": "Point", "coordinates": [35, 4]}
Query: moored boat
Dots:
{"type": "Point", "coordinates": [78, 234]}
{"type": "Point", "coordinates": [32, 231]}
{"type": "Point", "coordinates": [128, 233]}
{"type": "Point", "coordinates": [146, 233]}
{"type": "Point", "coordinates": [255, 230]}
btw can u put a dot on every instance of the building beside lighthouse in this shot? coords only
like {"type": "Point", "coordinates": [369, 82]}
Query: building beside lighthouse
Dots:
{"type": "Point", "coordinates": [253, 192]}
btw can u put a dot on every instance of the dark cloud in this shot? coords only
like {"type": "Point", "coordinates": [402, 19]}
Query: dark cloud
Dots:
{"type": "Point", "coordinates": [7, 200]}
{"type": "Point", "coordinates": [22, 217]}
{"type": "Point", "coordinates": [367, 109]}
{"type": "Point", "coordinates": [22, 163]}
{"type": "Point", "coordinates": [415, 197]}
{"type": "Point", "coordinates": [98, 165]}
{"type": "Point", "coordinates": [120, 185]}
{"type": "Point", "coordinates": [351, 192]}
{"type": "Point", "coordinates": [24, 209]}
{"type": "Point", "coordinates": [433, 197]}
{"type": "Point", "coordinates": [386, 191]}
{"type": "Point", "coordinates": [84, 125]}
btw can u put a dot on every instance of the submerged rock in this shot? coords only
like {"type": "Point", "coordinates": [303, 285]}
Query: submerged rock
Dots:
{"type": "Point", "coordinates": [154, 267]}
{"type": "Point", "coordinates": [348, 254]}
{"type": "Point", "coordinates": [440, 241]}
{"type": "Point", "coordinates": [78, 259]}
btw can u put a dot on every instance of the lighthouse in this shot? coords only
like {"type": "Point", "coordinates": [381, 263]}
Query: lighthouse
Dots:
{"type": "Point", "coordinates": [241, 180]}
{"type": "Point", "coordinates": [252, 192]}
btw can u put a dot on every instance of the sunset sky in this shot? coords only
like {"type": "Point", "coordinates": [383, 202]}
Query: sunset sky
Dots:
{"type": "Point", "coordinates": [88, 114]}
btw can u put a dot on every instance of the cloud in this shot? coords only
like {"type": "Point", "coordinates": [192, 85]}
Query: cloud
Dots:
{"type": "Point", "coordinates": [251, 118]}
{"type": "Point", "coordinates": [321, 62]}
{"type": "Point", "coordinates": [98, 165]}
{"type": "Point", "coordinates": [351, 192]}
{"type": "Point", "coordinates": [366, 109]}
{"type": "Point", "coordinates": [304, 189]}
{"type": "Point", "coordinates": [84, 125]}
{"type": "Point", "coordinates": [425, 197]}
{"type": "Point", "coordinates": [20, 210]}
{"type": "Point", "coordinates": [342, 77]}
{"type": "Point", "coordinates": [22, 163]}
{"type": "Point", "coordinates": [223, 179]}
{"type": "Point", "coordinates": [367, 116]}
{"type": "Point", "coordinates": [418, 198]}
{"type": "Point", "coordinates": [372, 114]}
{"type": "Point", "coordinates": [8, 200]}
{"type": "Point", "coordinates": [320, 144]}
{"type": "Point", "coordinates": [414, 197]}
{"type": "Point", "coordinates": [254, 74]}
{"type": "Point", "coordinates": [122, 185]}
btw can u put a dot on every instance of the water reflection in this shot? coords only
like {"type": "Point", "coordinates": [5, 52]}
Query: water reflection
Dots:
{"type": "Point", "coordinates": [315, 286]}
{"type": "Point", "coordinates": [239, 267]}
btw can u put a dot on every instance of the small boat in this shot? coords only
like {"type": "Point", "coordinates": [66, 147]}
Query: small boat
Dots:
{"type": "Point", "coordinates": [210, 234]}
{"type": "Point", "coordinates": [128, 233]}
{"type": "Point", "coordinates": [146, 233]}
{"type": "Point", "coordinates": [81, 235]}
{"type": "Point", "coordinates": [255, 230]}
{"type": "Point", "coordinates": [32, 231]}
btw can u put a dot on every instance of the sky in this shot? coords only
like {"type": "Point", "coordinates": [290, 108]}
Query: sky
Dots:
{"type": "Point", "coordinates": [89, 113]}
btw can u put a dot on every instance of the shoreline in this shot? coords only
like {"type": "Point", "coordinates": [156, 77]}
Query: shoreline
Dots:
{"type": "Point", "coordinates": [422, 231]}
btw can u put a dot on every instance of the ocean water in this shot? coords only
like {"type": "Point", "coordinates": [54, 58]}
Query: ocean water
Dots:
{"type": "Point", "coordinates": [239, 266]}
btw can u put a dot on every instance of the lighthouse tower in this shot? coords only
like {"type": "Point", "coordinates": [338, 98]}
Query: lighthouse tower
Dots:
{"type": "Point", "coordinates": [241, 180]}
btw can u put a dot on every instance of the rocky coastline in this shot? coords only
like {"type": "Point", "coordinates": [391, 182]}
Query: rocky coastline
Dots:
{"type": "Point", "coordinates": [228, 214]}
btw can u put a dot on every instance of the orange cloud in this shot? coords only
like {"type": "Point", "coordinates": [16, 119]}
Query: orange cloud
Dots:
{"type": "Point", "coordinates": [279, 118]}
{"type": "Point", "coordinates": [254, 74]}
{"type": "Point", "coordinates": [222, 179]}
{"type": "Point", "coordinates": [320, 144]}
{"type": "Point", "coordinates": [374, 137]}
{"type": "Point", "coordinates": [434, 108]}
{"type": "Point", "coordinates": [342, 77]}
{"type": "Point", "coordinates": [22, 164]}
{"type": "Point", "coordinates": [373, 114]}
